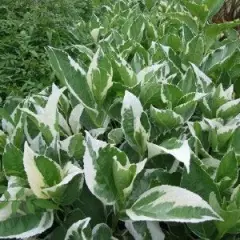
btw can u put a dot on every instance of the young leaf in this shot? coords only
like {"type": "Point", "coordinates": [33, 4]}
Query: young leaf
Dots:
{"type": "Point", "coordinates": [124, 174]}
{"type": "Point", "coordinates": [132, 127]}
{"type": "Point", "coordinates": [79, 230]}
{"type": "Point", "coordinates": [203, 81]}
{"type": "Point", "coordinates": [73, 76]}
{"type": "Point", "coordinates": [68, 189]}
{"type": "Point", "coordinates": [74, 118]}
{"type": "Point", "coordinates": [166, 119]}
{"type": "Point", "coordinates": [99, 75]}
{"type": "Point", "coordinates": [128, 76]}
{"type": "Point", "coordinates": [74, 146]}
{"type": "Point", "coordinates": [50, 170]}
{"type": "Point", "coordinates": [34, 176]}
{"type": "Point", "coordinates": [48, 114]}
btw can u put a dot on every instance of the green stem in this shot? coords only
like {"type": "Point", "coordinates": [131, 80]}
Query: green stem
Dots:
{"type": "Point", "coordinates": [115, 222]}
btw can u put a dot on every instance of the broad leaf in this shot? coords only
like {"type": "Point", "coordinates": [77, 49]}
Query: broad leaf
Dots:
{"type": "Point", "coordinates": [171, 204]}
{"type": "Point", "coordinates": [166, 119]}
{"type": "Point", "coordinates": [25, 226]}
{"type": "Point", "coordinates": [13, 161]}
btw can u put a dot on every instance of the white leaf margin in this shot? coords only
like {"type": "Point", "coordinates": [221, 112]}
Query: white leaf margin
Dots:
{"type": "Point", "coordinates": [180, 197]}
{"type": "Point", "coordinates": [182, 154]}
{"type": "Point", "coordinates": [45, 223]}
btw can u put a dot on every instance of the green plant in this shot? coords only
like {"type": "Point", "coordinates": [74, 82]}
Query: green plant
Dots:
{"type": "Point", "coordinates": [141, 143]}
{"type": "Point", "coordinates": [26, 28]}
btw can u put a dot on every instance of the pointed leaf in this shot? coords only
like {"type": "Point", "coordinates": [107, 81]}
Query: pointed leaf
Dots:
{"type": "Point", "coordinates": [171, 204]}
{"type": "Point", "coordinates": [73, 76]}
{"type": "Point", "coordinates": [25, 226]}
{"type": "Point", "coordinates": [132, 127]}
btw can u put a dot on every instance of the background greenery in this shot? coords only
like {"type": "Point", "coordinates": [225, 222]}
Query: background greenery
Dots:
{"type": "Point", "coordinates": [26, 28]}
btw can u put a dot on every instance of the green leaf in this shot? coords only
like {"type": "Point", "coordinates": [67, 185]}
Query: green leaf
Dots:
{"type": "Point", "coordinates": [133, 129]}
{"type": "Point", "coordinates": [68, 190]}
{"type": "Point", "coordinates": [74, 118]}
{"type": "Point", "coordinates": [127, 75]}
{"type": "Point", "coordinates": [124, 175]}
{"type": "Point", "coordinates": [99, 76]}
{"type": "Point", "coordinates": [145, 230]}
{"type": "Point", "coordinates": [102, 232]}
{"type": "Point", "coordinates": [198, 181]}
{"type": "Point", "coordinates": [74, 146]}
{"type": "Point", "coordinates": [166, 119]}
{"type": "Point", "coordinates": [178, 149]}
{"type": "Point", "coordinates": [213, 7]}
{"type": "Point", "coordinates": [25, 226]}
{"type": "Point", "coordinates": [50, 170]}
{"type": "Point", "coordinates": [73, 76]}
{"type": "Point", "coordinates": [115, 136]}
{"type": "Point", "coordinates": [174, 41]}
{"type": "Point", "coordinates": [227, 172]}
{"type": "Point", "coordinates": [171, 204]}
{"type": "Point", "coordinates": [86, 202]}
{"type": "Point", "coordinates": [235, 143]}
{"type": "Point", "coordinates": [149, 178]}
{"type": "Point", "coordinates": [146, 74]}
{"type": "Point", "coordinates": [187, 84]}
{"type": "Point", "coordinates": [79, 230]}
{"type": "Point", "coordinates": [186, 110]}
{"type": "Point", "coordinates": [13, 161]}
{"type": "Point", "coordinates": [151, 94]}
{"type": "Point", "coordinates": [219, 56]}
{"type": "Point", "coordinates": [230, 217]}
{"type": "Point", "coordinates": [198, 10]}
{"type": "Point", "coordinates": [5, 115]}
{"type": "Point", "coordinates": [229, 109]}
{"type": "Point", "coordinates": [34, 176]}
{"type": "Point", "coordinates": [212, 31]}
{"type": "Point", "coordinates": [3, 137]}
{"type": "Point", "coordinates": [186, 19]}
{"type": "Point", "coordinates": [171, 94]}
{"type": "Point", "coordinates": [117, 183]}
{"type": "Point", "coordinates": [135, 31]}
{"type": "Point", "coordinates": [45, 204]}
{"type": "Point", "coordinates": [195, 54]}
{"type": "Point", "coordinates": [46, 118]}
{"type": "Point", "coordinates": [203, 81]}
{"type": "Point", "coordinates": [99, 157]}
